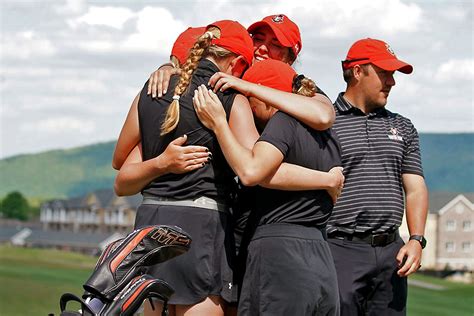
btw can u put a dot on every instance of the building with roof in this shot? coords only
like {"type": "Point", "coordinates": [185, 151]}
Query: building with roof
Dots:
{"type": "Point", "coordinates": [100, 211]}
{"type": "Point", "coordinates": [449, 232]}
{"type": "Point", "coordinates": [65, 240]}
{"type": "Point", "coordinates": [90, 222]}
{"type": "Point", "coordinates": [89, 243]}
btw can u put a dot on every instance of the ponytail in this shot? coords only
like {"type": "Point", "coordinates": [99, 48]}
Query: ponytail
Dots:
{"type": "Point", "coordinates": [304, 86]}
{"type": "Point", "coordinates": [195, 55]}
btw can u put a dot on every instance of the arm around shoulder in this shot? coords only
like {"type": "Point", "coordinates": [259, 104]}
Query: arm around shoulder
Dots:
{"type": "Point", "coordinates": [316, 111]}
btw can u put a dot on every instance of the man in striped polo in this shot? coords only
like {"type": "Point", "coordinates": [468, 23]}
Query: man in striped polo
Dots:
{"type": "Point", "coordinates": [382, 166]}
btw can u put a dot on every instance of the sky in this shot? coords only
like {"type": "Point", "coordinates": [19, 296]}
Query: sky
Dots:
{"type": "Point", "coordinates": [69, 70]}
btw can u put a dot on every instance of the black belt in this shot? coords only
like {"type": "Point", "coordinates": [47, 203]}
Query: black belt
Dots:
{"type": "Point", "coordinates": [375, 240]}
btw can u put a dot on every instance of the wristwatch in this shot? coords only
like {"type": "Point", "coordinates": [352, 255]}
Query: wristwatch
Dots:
{"type": "Point", "coordinates": [420, 238]}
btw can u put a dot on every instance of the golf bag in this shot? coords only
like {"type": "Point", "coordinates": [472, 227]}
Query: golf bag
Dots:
{"type": "Point", "coordinates": [118, 285]}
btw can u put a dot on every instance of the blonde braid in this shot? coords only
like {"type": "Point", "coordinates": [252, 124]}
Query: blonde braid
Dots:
{"type": "Point", "coordinates": [195, 55]}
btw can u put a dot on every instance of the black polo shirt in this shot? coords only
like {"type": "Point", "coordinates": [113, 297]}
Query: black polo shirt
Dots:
{"type": "Point", "coordinates": [214, 180]}
{"type": "Point", "coordinates": [376, 150]}
{"type": "Point", "coordinates": [304, 146]}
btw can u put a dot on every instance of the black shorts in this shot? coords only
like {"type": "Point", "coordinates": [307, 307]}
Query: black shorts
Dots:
{"type": "Point", "coordinates": [206, 269]}
{"type": "Point", "coordinates": [290, 271]}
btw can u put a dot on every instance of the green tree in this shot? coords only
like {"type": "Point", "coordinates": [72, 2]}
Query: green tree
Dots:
{"type": "Point", "coordinates": [14, 205]}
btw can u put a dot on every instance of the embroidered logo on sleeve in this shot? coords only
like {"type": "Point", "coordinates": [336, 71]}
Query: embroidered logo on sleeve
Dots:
{"type": "Point", "coordinates": [394, 135]}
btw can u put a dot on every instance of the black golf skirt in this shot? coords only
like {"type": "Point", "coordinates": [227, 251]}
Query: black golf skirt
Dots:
{"type": "Point", "coordinates": [206, 269]}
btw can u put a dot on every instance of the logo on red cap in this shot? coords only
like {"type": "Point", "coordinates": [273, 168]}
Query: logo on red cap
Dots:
{"type": "Point", "coordinates": [376, 52]}
{"type": "Point", "coordinates": [278, 18]}
{"type": "Point", "coordinates": [389, 49]}
{"type": "Point", "coordinates": [286, 31]}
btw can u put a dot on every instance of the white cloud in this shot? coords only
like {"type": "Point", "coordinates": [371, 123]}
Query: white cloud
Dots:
{"type": "Point", "coordinates": [53, 104]}
{"type": "Point", "coordinates": [114, 17]}
{"type": "Point", "coordinates": [25, 71]}
{"type": "Point", "coordinates": [408, 84]}
{"type": "Point", "coordinates": [462, 69]}
{"type": "Point", "coordinates": [97, 46]}
{"type": "Point", "coordinates": [437, 46]}
{"type": "Point", "coordinates": [71, 69]}
{"type": "Point", "coordinates": [59, 125]}
{"type": "Point", "coordinates": [341, 19]}
{"type": "Point", "coordinates": [156, 31]}
{"type": "Point", "coordinates": [454, 14]}
{"type": "Point", "coordinates": [397, 16]}
{"type": "Point", "coordinates": [58, 82]}
{"type": "Point", "coordinates": [25, 45]}
{"type": "Point", "coordinates": [77, 86]}
{"type": "Point", "coordinates": [70, 7]}
{"type": "Point", "coordinates": [7, 111]}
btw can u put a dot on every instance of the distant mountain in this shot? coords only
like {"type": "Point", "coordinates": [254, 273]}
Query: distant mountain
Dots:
{"type": "Point", "coordinates": [448, 161]}
{"type": "Point", "coordinates": [59, 173]}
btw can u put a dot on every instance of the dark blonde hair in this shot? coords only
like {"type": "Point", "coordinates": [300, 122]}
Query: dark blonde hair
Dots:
{"type": "Point", "coordinates": [304, 86]}
{"type": "Point", "coordinates": [201, 48]}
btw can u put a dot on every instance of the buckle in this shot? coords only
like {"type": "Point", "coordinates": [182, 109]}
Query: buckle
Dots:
{"type": "Point", "coordinates": [379, 240]}
{"type": "Point", "coordinates": [374, 240]}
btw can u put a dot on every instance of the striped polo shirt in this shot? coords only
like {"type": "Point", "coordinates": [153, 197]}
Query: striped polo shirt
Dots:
{"type": "Point", "coordinates": [376, 150]}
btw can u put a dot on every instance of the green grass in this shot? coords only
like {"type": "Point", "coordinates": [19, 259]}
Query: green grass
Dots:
{"type": "Point", "coordinates": [32, 280]}
{"type": "Point", "coordinates": [456, 299]}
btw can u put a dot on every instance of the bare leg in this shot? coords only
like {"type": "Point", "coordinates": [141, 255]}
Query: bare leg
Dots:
{"type": "Point", "coordinates": [212, 306]}
{"type": "Point", "coordinates": [149, 311]}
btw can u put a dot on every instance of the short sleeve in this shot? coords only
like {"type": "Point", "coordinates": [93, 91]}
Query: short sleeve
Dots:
{"type": "Point", "coordinates": [412, 157]}
{"type": "Point", "coordinates": [280, 132]}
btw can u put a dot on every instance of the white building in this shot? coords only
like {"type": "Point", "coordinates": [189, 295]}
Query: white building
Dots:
{"type": "Point", "coordinates": [449, 231]}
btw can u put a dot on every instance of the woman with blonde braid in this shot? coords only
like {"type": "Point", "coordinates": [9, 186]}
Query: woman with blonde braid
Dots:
{"type": "Point", "coordinates": [195, 201]}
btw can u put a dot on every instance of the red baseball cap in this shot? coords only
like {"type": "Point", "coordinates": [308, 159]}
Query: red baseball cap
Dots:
{"type": "Point", "coordinates": [235, 38]}
{"type": "Point", "coordinates": [185, 42]}
{"type": "Point", "coordinates": [271, 73]}
{"type": "Point", "coordinates": [286, 31]}
{"type": "Point", "coordinates": [377, 52]}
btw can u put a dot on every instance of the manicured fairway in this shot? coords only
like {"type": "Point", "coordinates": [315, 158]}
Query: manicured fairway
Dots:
{"type": "Point", "coordinates": [32, 280]}
{"type": "Point", "coordinates": [456, 299]}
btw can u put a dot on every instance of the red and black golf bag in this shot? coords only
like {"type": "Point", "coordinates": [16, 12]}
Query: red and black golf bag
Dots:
{"type": "Point", "coordinates": [118, 285]}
